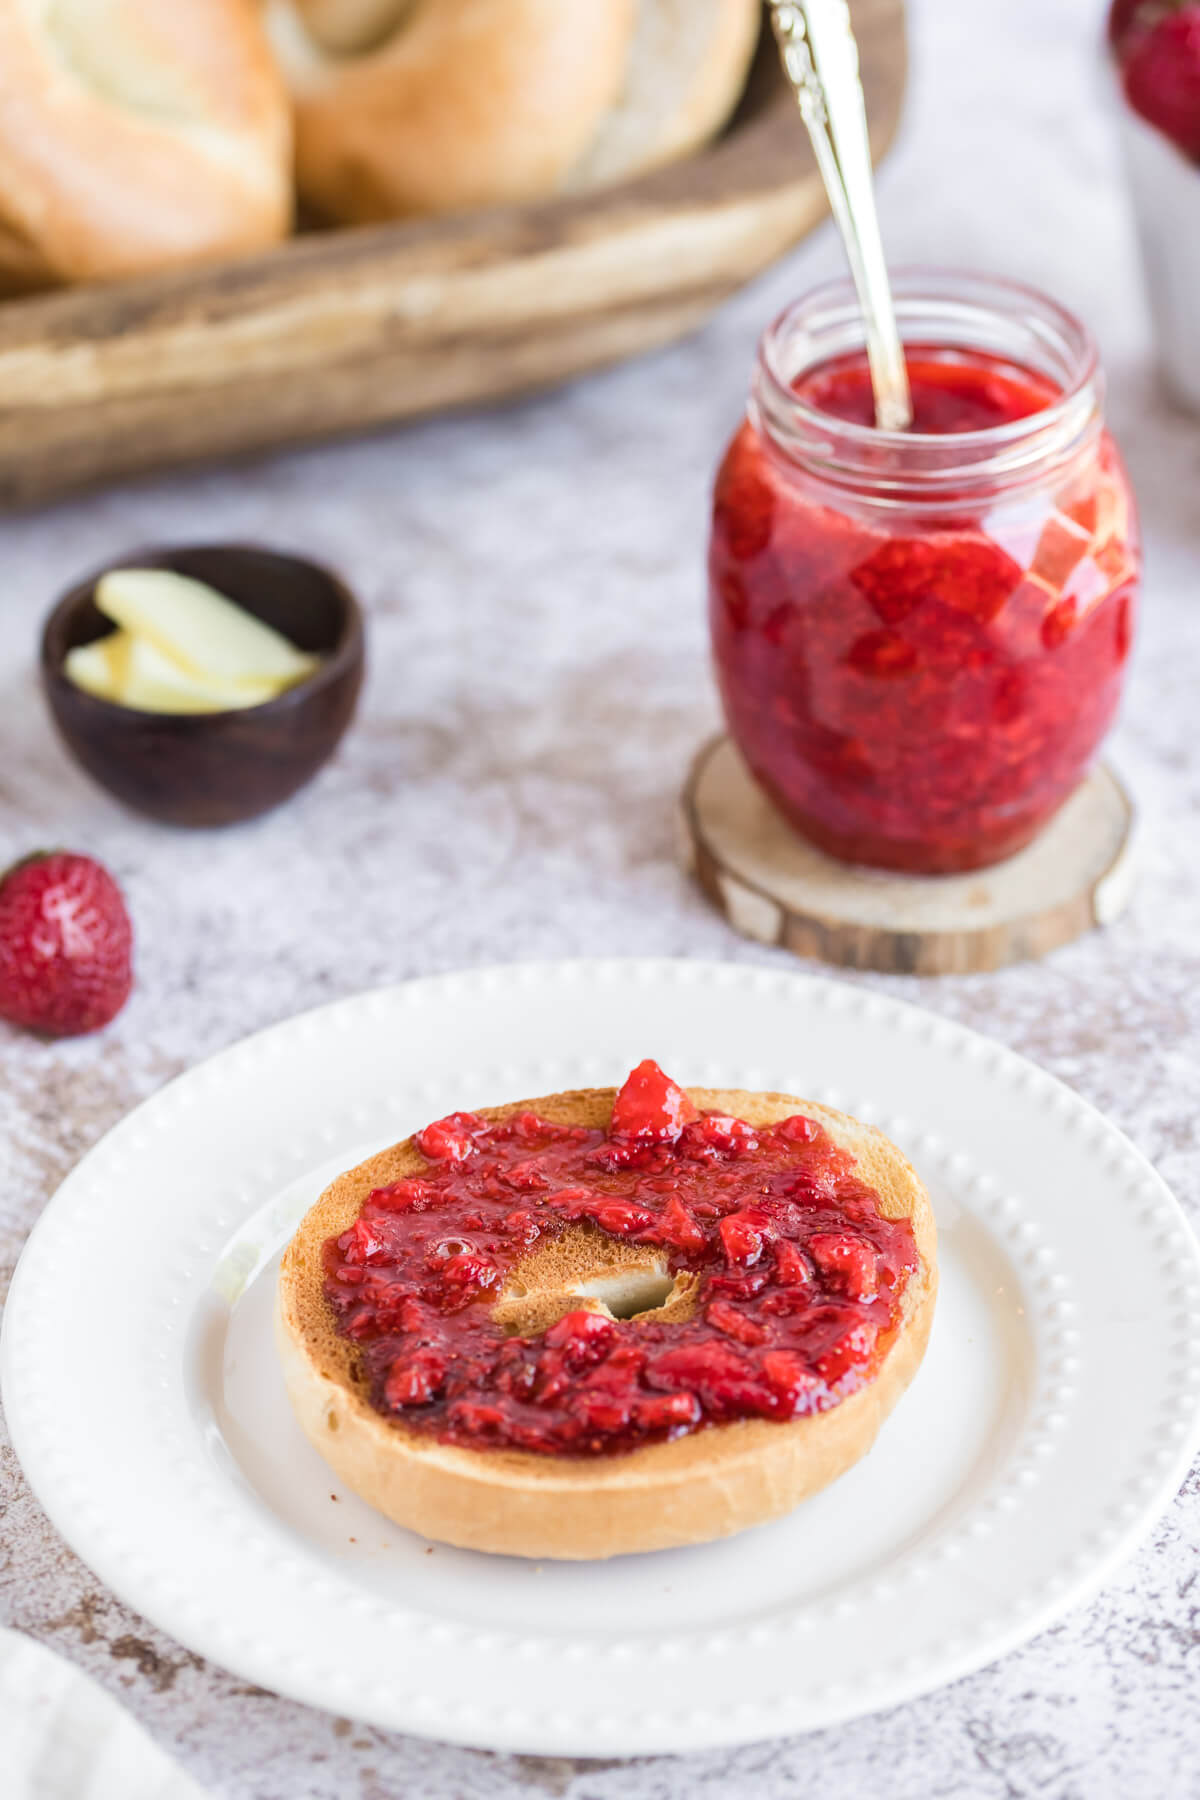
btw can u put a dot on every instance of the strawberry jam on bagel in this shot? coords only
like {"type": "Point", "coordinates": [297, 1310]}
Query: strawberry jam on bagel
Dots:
{"type": "Point", "coordinates": [773, 1278]}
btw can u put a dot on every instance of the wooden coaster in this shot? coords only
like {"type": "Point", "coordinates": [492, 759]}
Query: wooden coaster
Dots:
{"type": "Point", "coordinates": [774, 886]}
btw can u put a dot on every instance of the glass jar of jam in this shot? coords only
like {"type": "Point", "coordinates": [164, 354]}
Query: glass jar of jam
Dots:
{"type": "Point", "coordinates": [920, 637]}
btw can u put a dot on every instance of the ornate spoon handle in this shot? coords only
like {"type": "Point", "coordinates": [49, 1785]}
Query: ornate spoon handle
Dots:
{"type": "Point", "coordinates": [820, 58]}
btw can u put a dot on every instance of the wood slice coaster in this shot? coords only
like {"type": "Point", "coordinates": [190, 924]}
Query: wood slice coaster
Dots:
{"type": "Point", "coordinates": [774, 886]}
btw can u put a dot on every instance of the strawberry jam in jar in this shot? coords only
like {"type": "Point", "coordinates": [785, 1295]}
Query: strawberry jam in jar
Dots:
{"type": "Point", "coordinates": [920, 637]}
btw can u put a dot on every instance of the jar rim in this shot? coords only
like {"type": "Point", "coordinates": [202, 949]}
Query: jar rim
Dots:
{"type": "Point", "coordinates": [843, 449]}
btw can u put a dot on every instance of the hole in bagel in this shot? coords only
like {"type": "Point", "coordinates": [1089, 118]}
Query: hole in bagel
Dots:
{"type": "Point", "coordinates": [626, 1293]}
{"type": "Point", "coordinates": [584, 1267]}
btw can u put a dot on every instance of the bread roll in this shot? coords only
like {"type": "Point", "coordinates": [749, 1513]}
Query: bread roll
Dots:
{"type": "Point", "coordinates": [409, 107]}
{"type": "Point", "coordinates": [352, 25]}
{"type": "Point", "coordinates": [136, 135]}
{"type": "Point", "coordinates": [718, 1480]}
{"type": "Point", "coordinates": [686, 72]}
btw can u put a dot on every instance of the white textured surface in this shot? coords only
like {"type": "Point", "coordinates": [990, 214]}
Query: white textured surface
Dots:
{"type": "Point", "coordinates": [537, 686]}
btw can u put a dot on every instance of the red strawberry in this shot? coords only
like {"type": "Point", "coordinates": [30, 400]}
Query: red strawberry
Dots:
{"type": "Point", "coordinates": [1129, 20]}
{"type": "Point", "coordinates": [66, 945]}
{"type": "Point", "coordinates": [1162, 77]}
{"type": "Point", "coordinates": [1122, 17]}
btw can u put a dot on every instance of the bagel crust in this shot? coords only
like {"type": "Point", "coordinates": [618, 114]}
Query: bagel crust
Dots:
{"type": "Point", "coordinates": [718, 1480]}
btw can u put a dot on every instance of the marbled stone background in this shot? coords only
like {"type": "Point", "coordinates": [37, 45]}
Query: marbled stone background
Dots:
{"type": "Point", "coordinates": [538, 682]}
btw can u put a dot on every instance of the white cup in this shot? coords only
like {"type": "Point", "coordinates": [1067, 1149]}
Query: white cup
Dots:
{"type": "Point", "coordinates": [1166, 198]}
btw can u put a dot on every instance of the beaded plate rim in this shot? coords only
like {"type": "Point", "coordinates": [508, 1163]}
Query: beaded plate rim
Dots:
{"type": "Point", "coordinates": [138, 1561]}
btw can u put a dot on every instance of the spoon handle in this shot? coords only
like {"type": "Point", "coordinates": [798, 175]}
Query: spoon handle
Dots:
{"type": "Point", "coordinates": [820, 58]}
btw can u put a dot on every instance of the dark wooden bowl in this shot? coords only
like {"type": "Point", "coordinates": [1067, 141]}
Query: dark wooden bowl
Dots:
{"type": "Point", "coordinates": [215, 768]}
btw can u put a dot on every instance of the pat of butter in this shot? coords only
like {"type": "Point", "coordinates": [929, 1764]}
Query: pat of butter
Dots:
{"type": "Point", "coordinates": [153, 683]}
{"type": "Point", "coordinates": [101, 666]}
{"type": "Point", "coordinates": [208, 637]}
{"type": "Point", "coordinates": [131, 672]}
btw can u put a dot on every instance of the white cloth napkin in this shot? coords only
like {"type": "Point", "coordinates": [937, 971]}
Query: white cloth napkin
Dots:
{"type": "Point", "coordinates": [62, 1738]}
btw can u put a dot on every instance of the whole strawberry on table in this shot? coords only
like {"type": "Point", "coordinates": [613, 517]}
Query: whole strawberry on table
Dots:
{"type": "Point", "coordinates": [1157, 44]}
{"type": "Point", "coordinates": [66, 945]}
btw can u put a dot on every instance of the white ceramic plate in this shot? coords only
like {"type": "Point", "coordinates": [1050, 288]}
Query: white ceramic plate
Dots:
{"type": "Point", "coordinates": [1054, 1416]}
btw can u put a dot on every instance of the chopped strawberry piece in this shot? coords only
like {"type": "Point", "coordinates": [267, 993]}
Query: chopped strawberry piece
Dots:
{"type": "Point", "coordinates": [602, 1411]}
{"type": "Point", "coordinates": [739, 1287]}
{"type": "Point", "coordinates": [677, 1227]}
{"type": "Point", "coordinates": [849, 1261]}
{"type": "Point", "coordinates": [411, 1316]}
{"type": "Point", "coordinates": [881, 654]}
{"type": "Point", "coordinates": [527, 1175]}
{"type": "Point", "coordinates": [659, 1412]}
{"type": "Point", "coordinates": [799, 1129]}
{"type": "Point", "coordinates": [629, 1153]}
{"type": "Point", "coordinates": [719, 1135]}
{"type": "Point", "coordinates": [475, 1418]}
{"type": "Point", "coordinates": [573, 1202]}
{"type": "Point", "coordinates": [701, 1367]}
{"type": "Point", "coordinates": [734, 1324]}
{"type": "Point", "coordinates": [529, 1127]}
{"type": "Point", "coordinates": [410, 1195]}
{"type": "Point", "coordinates": [1059, 623]}
{"type": "Point", "coordinates": [961, 570]}
{"type": "Point", "coordinates": [470, 1270]}
{"type": "Point", "coordinates": [791, 1380]}
{"type": "Point", "coordinates": [414, 1380]}
{"type": "Point", "coordinates": [525, 1125]}
{"type": "Point", "coordinates": [786, 1303]}
{"type": "Point", "coordinates": [451, 1139]}
{"type": "Point", "coordinates": [790, 1267]}
{"type": "Point", "coordinates": [582, 1329]}
{"type": "Point", "coordinates": [850, 1350]}
{"type": "Point", "coordinates": [650, 1106]}
{"type": "Point", "coordinates": [383, 1307]}
{"type": "Point", "coordinates": [522, 1225]}
{"type": "Point", "coordinates": [744, 1233]}
{"type": "Point", "coordinates": [624, 1220]}
{"type": "Point", "coordinates": [366, 1242]}
{"type": "Point", "coordinates": [619, 1217]}
{"type": "Point", "coordinates": [555, 1378]}
{"type": "Point", "coordinates": [517, 1378]}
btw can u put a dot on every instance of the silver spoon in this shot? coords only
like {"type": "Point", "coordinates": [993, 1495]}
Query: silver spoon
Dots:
{"type": "Point", "coordinates": [820, 59]}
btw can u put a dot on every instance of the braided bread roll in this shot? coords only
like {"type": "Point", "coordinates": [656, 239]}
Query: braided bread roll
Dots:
{"type": "Point", "coordinates": [410, 107]}
{"type": "Point", "coordinates": [137, 135]}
